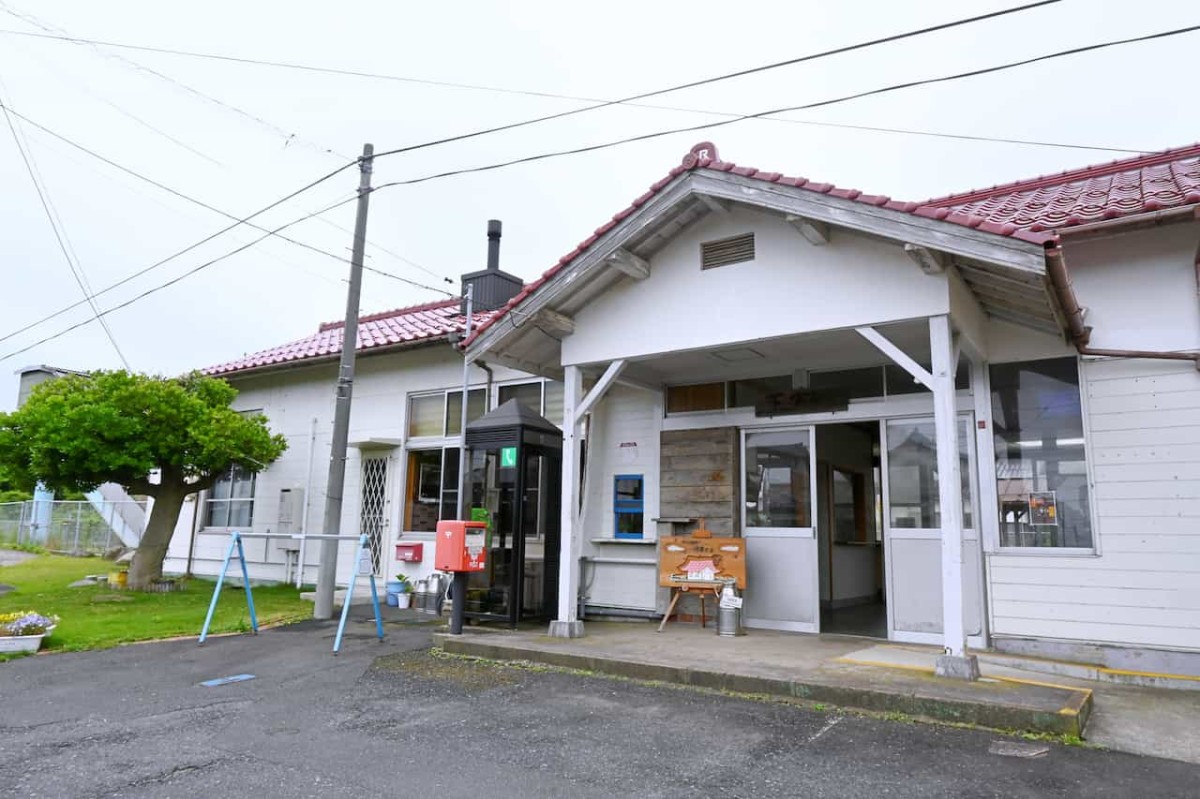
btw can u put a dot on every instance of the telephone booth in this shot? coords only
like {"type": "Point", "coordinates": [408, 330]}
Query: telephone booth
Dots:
{"type": "Point", "coordinates": [514, 486]}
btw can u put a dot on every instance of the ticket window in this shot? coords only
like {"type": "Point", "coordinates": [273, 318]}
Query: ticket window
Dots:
{"type": "Point", "coordinates": [629, 506]}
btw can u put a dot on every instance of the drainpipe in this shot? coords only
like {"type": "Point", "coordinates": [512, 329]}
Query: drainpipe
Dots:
{"type": "Point", "coordinates": [312, 451]}
{"type": "Point", "coordinates": [1079, 333]}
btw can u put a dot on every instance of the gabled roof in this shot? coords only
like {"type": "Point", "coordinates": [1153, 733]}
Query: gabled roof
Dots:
{"type": "Point", "coordinates": [417, 324]}
{"type": "Point", "coordinates": [1031, 210]}
{"type": "Point", "coordinates": [1146, 183]}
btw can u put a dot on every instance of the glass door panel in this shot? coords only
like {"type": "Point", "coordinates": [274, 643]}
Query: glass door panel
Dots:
{"type": "Point", "coordinates": [778, 487]}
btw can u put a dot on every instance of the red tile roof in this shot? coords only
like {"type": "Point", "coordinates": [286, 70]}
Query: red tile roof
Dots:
{"type": "Point", "coordinates": [1029, 210]}
{"type": "Point", "coordinates": [1152, 182]}
{"type": "Point", "coordinates": [404, 326]}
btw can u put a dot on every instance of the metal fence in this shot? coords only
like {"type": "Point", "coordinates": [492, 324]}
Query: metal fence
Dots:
{"type": "Point", "coordinates": [78, 527]}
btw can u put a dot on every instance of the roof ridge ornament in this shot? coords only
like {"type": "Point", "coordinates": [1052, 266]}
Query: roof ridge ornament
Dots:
{"type": "Point", "coordinates": [700, 155]}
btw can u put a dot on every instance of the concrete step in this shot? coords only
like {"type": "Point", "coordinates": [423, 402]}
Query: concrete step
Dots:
{"type": "Point", "coordinates": [1093, 671]}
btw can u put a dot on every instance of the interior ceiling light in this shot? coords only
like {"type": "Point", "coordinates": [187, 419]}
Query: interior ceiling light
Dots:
{"type": "Point", "coordinates": [737, 354]}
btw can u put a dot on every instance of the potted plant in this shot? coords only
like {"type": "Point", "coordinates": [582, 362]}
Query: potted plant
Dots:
{"type": "Point", "coordinates": [24, 630]}
{"type": "Point", "coordinates": [398, 591]}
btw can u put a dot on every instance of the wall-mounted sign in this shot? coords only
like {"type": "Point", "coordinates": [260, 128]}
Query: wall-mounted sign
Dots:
{"type": "Point", "coordinates": [508, 457]}
{"type": "Point", "coordinates": [783, 403]}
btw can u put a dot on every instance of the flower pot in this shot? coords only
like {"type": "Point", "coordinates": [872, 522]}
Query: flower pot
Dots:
{"type": "Point", "coordinates": [21, 643]}
{"type": "Point", "coordinates": [394, 587]}
{"type": "Point", "coordinates": [403, 600]}
{"type": "Point", "coordinates": [391, 599]}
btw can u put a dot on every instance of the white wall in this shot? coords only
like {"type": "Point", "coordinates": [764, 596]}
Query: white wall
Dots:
{"type": "Point", "coordinates": [1139, 288]}
{"type": "Point", "coordinates": [291, 399]}
{"type": "Point", "coordinates": [791, 287]}
{"type": "Point", "coordinates": [1143, 586]}
{"type": "Point", "coordinates": [626, 416]}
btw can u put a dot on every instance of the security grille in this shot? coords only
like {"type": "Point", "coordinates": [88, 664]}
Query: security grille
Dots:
{"type": "Point", "coordinates": [733, 250]}
{"type": "Point", "coordinates": [373, 505]}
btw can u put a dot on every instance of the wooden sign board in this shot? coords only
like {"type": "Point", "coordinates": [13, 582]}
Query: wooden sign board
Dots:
{"type": "Point", "coordinates": [684, 558]}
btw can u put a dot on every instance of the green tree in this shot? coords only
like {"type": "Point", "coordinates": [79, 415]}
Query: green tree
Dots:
{"type": "Point", "coordinates": [78, 431]}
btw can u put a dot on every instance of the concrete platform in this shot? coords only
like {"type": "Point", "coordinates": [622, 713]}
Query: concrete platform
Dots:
{"type": "Point", "coordinates": [849, 672]}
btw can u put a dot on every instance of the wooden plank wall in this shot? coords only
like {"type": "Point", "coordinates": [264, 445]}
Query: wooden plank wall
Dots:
{"type": "Point", "coordinates": [699, 477]}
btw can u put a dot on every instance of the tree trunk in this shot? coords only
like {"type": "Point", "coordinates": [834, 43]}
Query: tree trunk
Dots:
{"type": "Point", "coordinates": [148, 559]}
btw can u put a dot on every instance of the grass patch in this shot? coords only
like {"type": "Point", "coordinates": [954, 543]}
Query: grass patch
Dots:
{"type": "Point", "coordinates": [96, 617]}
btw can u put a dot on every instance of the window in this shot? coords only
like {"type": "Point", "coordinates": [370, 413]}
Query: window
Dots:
{"type": "Point", "coordinates": [629, 505]}
{"type": "Point", "coordinates": [476, 407]}
{"type": "Point", "coordinates": [230, 503]}
{"type": "Point", "coordinates": [1041, 465]}
{"type": "Point", "coordinates": [440, 414]}
{"type": "Point", "coordinates": [848, 492]}
{"type": "Point", "coordinates": [778, 479]}
{"type": "Point", "coordinates": [913, 501]}
{"type": "Point", "coordinates": [527, 394]}
{"type": "Point", "coordinates": [425, 415]}
{"type": "Point", "coordinates": [553, 402]}
{"type": "Point", "coordinates": [700, 397]}
{"type": "Point", "coordinates": [432, 491]}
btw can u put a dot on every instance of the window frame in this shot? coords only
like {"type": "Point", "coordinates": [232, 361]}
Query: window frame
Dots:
{"type": "Point", "coordinates": [209, 501]}
{"type": "Point", "coordinates": [629, 507]}
{"type": "Point", "coordinates": [993, 544]}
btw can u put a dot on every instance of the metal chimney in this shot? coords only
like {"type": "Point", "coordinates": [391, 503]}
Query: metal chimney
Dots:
{"type": "Point", "coordinates": [493, 261]}
{"type": "Point", "coordinates": [492, 288]}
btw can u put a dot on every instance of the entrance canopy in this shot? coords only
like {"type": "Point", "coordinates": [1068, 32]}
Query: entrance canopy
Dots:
{"type": "Point", "coordinates": [833, 235]}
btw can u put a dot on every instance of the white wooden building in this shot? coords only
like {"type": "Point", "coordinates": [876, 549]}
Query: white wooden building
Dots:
{"type": "Point", "coordinates": [797, 364]}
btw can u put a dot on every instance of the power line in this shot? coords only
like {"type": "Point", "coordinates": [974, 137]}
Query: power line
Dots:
{"type": "Point", "coordinates": [818, 104]}
{"type": "Point", "coordinates": [240, 221]}
{"type": "Point", "coordinates": [599, 104]}
{"type": "Point", "coordinates": [76, 268]}
{"type": "Point", "coordinates": [287, 136]}
{"type": "Point", "coordinates": [178, 278]}
{"type": "Point", "coordinates": [728, 76]}
{"type": "Point", "coordinates": [596, 102]}
{"type": "Point", "coordinates": [590, 148]}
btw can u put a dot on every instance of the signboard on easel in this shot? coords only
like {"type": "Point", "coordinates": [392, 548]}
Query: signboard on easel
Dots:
{"type": "Point", "coordinates": [685, 558]}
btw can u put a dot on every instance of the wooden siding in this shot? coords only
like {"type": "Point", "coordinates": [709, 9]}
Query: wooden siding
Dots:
{"type": "Point", "coordinates": [1143, 586]}
{"type": "Point", "coordinates": [699, 477]}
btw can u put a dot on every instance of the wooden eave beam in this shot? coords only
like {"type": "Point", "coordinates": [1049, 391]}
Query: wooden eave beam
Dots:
{"type": "Point", "coordinates": [930, 261]}
{"type": "Point", "coordinates": [816, 233]}
{"type": "Point", "coordinates": [632, 265]}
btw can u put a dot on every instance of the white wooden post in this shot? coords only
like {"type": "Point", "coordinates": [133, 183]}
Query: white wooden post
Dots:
{"type": "Point", "coordinates": [955, 662]}
{"type": "Point", "coordinates": [568, 623]}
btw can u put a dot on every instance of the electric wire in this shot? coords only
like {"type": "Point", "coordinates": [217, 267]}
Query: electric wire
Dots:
{"type": "Point", "coordinates": [607, 103]}
{"type": "Point", "coordinates": [194, 270]}
{"type": "Point", "coordinates": [157, 264]}
{"type": "Point", "coordinates": [76, 268]}
{"type": "Point", "coordinates": [643, 137]}
{"type": "Point", "coordinates": [578, 98]}
{"type": "Point", "coordinates": [287, 136]}
{"type": "Point", "coordinates": [818, 104]}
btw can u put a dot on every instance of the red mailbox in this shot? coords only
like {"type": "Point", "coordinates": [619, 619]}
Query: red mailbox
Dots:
{"type": "Point", "coordinates": [410, 552]}
{"type": "Point", "coordinates": [461, 546]}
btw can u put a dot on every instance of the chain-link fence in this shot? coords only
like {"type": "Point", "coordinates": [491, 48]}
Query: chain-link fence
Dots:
{"type": "Point", "coordinates": [78, 527]}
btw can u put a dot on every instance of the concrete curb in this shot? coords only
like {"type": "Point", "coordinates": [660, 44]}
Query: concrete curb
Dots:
{"type": "Point", "coordinates": [1067, 721]}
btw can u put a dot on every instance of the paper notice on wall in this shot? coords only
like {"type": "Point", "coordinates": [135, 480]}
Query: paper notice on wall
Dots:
{"type": "Point", "coordinates": [1043, 509]}
{"type": "Point", "coordinates": [628, 452]}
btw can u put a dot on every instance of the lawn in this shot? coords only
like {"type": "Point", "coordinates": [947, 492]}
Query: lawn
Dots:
{"type": "Point", "coordinates": [97, 617]}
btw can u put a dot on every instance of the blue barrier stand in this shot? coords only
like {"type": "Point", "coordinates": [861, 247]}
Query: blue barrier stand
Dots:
{"type": "Point", "coordinates": [235, 542]}
{"type": "Point", "coordinates": [361, 567]}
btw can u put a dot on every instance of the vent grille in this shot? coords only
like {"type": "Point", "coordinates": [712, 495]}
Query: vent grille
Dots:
{"type": "Point", "coordinates": [733, 250]}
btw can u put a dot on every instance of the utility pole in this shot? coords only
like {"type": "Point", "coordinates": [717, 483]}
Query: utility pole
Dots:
{"type": "Point", "coordinates": [327, 568]}
{"type": "Point", "coordinates": [466, 390]}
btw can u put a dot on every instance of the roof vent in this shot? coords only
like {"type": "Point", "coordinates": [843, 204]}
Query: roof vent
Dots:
{"type": "Point", "coordinates": [733, 250]}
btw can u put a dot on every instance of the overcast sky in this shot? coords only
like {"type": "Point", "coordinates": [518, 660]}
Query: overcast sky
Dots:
{"type": "Point", "coordinates": [259, 133]}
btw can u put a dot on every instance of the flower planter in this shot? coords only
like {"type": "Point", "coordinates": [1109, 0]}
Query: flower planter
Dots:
{"type": "Point", "coordinates": [21, 643]}
{"type": "Point", "coordinates": [403, 600]}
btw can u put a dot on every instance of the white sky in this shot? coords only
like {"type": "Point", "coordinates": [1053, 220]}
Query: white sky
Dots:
{"type": "Point", "coordinates": [1133, 96]}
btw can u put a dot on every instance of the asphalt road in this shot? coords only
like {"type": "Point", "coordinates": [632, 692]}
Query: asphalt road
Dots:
{"type": "Point", "coordinates": [392, 720]}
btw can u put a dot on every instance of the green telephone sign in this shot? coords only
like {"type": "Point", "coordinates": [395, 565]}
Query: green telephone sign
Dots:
{"type": "Point", "coordinates": [508, 457]}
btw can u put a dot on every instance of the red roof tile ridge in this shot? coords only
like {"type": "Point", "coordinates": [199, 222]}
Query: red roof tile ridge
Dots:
{"type": "Point", "coordinates": [1070, 175]}
{"type": "Point", "coordinates": [375, 317]}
